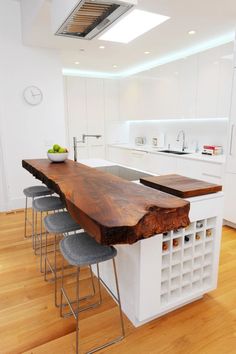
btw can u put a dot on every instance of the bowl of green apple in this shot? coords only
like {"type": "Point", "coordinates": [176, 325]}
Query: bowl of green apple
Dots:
{"type": "Point", "coordinates": [57, 153]}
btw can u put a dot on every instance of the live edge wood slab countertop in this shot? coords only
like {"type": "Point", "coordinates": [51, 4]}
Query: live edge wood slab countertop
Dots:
{"type": "Point", "coordinates": [111, 209]}
{"type": "Point", "coordinates": [180, 186]}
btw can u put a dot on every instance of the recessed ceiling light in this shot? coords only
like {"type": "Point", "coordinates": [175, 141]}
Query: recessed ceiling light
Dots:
{"type": "Point", "coordinates": [101, 47]}
{"type": "Point", "coordinates": [147, 52]}
{"type": "Point", "coordinates": [192, 32]}
{"type": "Point", "coordinates": [133, 25]}
{"type": "Point", "coordinates": [77, 62]}
{"type": "Point", "coordinates": [115, 66]}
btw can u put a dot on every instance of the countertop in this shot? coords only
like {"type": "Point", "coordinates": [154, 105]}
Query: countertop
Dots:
{"type": "Point", "coordinates": [111, 209]}
{"type": "Point", "coordinates": [219, 159]}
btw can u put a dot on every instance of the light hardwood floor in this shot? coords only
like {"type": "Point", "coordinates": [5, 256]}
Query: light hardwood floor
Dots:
{"type": "Point", "coordinates": [29, 322]}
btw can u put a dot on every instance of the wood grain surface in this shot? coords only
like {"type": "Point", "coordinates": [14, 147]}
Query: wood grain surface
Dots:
{"type": "Point", "coordinates": [111, 209]}
{"type": "Point", "coordinates": [180, 186]}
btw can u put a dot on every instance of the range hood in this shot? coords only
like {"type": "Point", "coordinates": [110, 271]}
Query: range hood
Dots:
{"type": "Point", "coordinates": [85, 19]}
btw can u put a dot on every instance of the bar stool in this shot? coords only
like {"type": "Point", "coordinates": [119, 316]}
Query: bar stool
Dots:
{"type": "Point", "coordinates": [59, 224]}
{"type": "Point", "coordinates": [80, 251]}
{"type": "Point", "coordinates": [42, 205]}
{"type": "Point", "coordinates": [33, 192]}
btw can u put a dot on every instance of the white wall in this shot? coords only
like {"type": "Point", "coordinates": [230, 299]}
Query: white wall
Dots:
{"type": "Point", "coordinates": [26, 131]}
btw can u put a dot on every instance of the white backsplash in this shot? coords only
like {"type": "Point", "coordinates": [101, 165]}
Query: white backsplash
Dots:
{"type": "Point", "coordinates": [209, 131]}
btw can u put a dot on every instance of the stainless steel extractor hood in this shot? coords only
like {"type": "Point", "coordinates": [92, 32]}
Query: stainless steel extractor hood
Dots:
{"type": "Point", "coordinates": [85, 19]}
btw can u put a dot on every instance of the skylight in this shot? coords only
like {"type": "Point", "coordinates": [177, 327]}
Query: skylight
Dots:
{"type": "Point", "coordinates": [136, 23]}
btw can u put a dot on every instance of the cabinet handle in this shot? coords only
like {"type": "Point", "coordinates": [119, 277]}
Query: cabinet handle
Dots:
{"type": "Point", "coordinates": [231, 139]}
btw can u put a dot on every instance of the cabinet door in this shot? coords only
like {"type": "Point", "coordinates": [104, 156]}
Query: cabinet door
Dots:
{"type": "Point", "coordinates": [130, 99]}
{"type": "Point", "coordinates": [75, 88]}
{"type": "Point", "coordinates": [188, 74]}
{"type": "Point", "coordinates": [205, 171]}
{"type": "Point", "coordinates": [161, 165]}
{"type": "Point", "coordinates": [167, 91]}
{"type": "Point", "coordinates": [112, 100]}
{"type": "Point", "coordinates": [138, 159]}
{"type": "Point", "coordinates": [225, 80]}
{"type": "Point", "coordinates": [95, 117]}
{"type": "Point", "coordinates": [208, 83]}
{"type": "Point", "coordinates": [231, 156]}
{"type": "Point", "coordinates": [118, 155]}
{"type": "Point", "coordinates": [230, 197]}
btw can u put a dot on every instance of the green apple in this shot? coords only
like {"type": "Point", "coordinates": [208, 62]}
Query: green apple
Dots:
{"type": "Point", "coordinates": [51, 151]}
{"type": "Point", "coordinates": [56, 147]}
{"type": "Point", "coordinates": [62, 150]}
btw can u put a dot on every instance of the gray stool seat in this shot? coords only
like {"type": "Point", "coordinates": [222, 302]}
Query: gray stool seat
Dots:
{"type": "Point", "coordinates": [80, 250]}
{"type": "Point", "coordinates": [48, 204]}
{"type": "Point", "coordinates": [60, 223]}
{"type": "Point", "coordinates": [37, 191]}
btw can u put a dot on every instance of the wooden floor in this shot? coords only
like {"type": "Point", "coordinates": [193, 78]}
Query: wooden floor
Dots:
{"type": "Point", "coordinates": [29, 322]}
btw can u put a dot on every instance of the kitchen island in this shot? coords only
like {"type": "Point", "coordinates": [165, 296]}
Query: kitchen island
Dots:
{"type": "Point", "coordinates": [167, 255]}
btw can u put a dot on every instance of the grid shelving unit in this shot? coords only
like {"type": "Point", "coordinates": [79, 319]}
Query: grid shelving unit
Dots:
{"type": "Point", "coordinates": [187, 261]}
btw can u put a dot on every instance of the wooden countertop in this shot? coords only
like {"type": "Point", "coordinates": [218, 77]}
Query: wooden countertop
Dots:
{"type": "Point", "coordinates": [180, 186]}
{"type": "Point", "coordinates": [111, 209]}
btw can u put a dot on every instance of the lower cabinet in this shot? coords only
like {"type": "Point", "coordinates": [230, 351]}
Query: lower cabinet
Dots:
{"type": "Point", "coordinates": [206, 171]}
{"type": "Point", "coordinates": [160, 164]}
{"type": "Point", "coordinates": [230, 197]}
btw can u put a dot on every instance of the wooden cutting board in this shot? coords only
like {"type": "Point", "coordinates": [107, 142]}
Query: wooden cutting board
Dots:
{"type": "Point", "coordinates": [180, 186]}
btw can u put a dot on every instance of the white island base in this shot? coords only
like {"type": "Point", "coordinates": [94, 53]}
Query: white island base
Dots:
{"type": "Point", "coordinates": [154, 281]}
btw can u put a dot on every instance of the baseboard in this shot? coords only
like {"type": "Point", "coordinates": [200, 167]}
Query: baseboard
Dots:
{"type": "Point", "coordinates": [15, 204]}
{"type": "Point", "coordinates": [229, 223]}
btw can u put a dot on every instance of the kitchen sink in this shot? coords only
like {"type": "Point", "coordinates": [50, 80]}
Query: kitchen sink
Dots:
{"type": "Point", "coordinates": [175, 152]}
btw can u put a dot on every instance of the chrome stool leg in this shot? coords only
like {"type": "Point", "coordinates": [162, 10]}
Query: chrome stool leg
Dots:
{"type": "Point", "coordinates": [79, 309]}
{"type": "Point", "coordinates": [54, 270]}
{"type": "Point", "coordinates": [26, 210]}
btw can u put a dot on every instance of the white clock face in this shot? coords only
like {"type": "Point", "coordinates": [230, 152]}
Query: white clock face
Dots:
{"type": "Point", "coordinates": [33, 95]}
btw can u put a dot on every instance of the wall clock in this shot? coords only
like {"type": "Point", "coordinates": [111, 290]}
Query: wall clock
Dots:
{"type": "Point", "coordinates": [33, 95]}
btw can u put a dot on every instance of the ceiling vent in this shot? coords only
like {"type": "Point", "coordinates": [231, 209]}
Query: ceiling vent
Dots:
{"type": "Point", "coordinates": [85, 19]}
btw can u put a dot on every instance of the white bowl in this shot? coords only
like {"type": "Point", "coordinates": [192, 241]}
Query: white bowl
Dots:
{"type": "Point", "coordinates": [58, 157]}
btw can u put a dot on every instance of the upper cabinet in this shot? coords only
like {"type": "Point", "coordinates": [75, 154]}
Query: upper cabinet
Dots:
{"type": "Point", "coordinates": [198, 86]}
{"type": "Point", "coordinates": [85, 114]}
{"type": "Point", "coordinates": [207, 83]}
{"type": "Point", "coordinates": [112, 100]}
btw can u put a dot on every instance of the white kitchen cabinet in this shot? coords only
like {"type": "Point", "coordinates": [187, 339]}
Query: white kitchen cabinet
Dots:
{"type": "Point", "coordinates": [206, 171]}
{"type": "Point", "coordinates": [85, 115]}
{"type": "Point", "coordinates": [231, 157]}
{"type": "Point", "coordinates": [130, 99]}
{"type": "Point", "coordinates": [166, 100]}
{"type": "Point", "coordinates": [208, 83]}
{"type": "Point", "coordinates": [225, 80]}
{"type": "Point", "coordinates": [75, 93]}
{"type": "Point", "coordinates": [131, 158]}
{"type": "Point", "coordinates": [188, 76]}
{"type": "Point", "coordinates": [118, 155]}
{"type": "Point", "coordinates": [161, 164]}
{"type": "Point", "coordinates": [112, 100]}
{"type": "Point", "coordinates": [230, 197]}
{"type": "Point", "coordinates": [138, 159]}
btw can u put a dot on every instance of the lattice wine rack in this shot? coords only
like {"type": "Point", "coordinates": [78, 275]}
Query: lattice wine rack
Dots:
{"type": "Point", "coordinates": [187, 260]}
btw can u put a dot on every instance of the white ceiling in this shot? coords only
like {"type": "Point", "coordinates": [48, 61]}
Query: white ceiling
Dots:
{"type": "Point", "coordinates": [210, 18]}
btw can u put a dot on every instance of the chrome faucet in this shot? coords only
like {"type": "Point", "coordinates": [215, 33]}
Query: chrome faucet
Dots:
{"type": "Point", "coordinates": [75, 142]}
{"type": "Point", "coordinates": [178, 139]}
